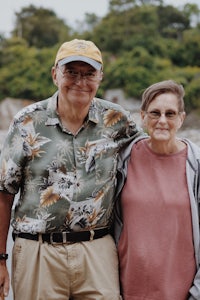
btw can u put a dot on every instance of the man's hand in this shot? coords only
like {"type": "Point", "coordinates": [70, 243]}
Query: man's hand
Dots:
{"type": "Point", "coordinates": [4, 280]}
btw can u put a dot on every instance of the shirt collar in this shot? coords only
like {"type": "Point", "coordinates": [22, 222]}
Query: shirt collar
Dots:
{"type": "Point", "coordinates": [53, 116]}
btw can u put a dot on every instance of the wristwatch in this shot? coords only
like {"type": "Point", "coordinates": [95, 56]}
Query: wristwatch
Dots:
{"type": "Point", "coordinates": [3, 256]}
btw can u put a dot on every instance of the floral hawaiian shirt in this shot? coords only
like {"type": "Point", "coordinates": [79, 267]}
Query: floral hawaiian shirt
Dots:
{"type": "Point", "coordinates": [63, 181]}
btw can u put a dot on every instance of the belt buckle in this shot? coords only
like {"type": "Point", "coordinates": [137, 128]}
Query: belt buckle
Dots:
{"type": "Point", "coordinates": [64, 236]}
{"type": "Point", "coordinates": [64, 239]}
{"type": "Point", "coordinates": [92, 233]}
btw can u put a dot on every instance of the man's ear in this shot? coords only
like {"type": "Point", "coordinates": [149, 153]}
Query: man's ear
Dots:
{"type": "Point", "coordinates": [142, 114]}
{"type": "Point", "coordinates": [54, 75]}
{"type": "Point", "coordinates": [101, 75]}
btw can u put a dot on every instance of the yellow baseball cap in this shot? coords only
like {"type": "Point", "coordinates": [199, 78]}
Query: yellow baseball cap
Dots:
{"type": "Point", "coordinates": [79, 50]}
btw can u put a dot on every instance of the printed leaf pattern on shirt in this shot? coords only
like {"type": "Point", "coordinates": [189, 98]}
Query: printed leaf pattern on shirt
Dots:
{"type": "Point", "coordinates": [48, 197]}
{"type": "Point", "coordinates": [66, 182]}
{"type": "Point", "coordinates": [111, 117]}
{"type": "Point", "coordinates": [10, 174]}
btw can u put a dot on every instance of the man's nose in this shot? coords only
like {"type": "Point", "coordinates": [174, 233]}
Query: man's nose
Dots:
{"type": "Point", "coordinates": [80, 77]}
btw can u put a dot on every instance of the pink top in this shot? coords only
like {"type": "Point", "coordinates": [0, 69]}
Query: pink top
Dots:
{"type": "Point", "coordinates": [156, 247]}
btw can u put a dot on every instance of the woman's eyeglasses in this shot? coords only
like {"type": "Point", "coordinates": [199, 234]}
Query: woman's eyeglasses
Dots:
{"type": "Point", "coordinates": [156, 114]}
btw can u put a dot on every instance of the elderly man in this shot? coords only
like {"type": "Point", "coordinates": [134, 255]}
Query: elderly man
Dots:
{"type": "Point", "coordinates": [60, 155]}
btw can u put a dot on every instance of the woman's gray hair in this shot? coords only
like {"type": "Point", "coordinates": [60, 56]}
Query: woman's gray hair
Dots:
{"type": "Point", "coordinates": [162, 87]}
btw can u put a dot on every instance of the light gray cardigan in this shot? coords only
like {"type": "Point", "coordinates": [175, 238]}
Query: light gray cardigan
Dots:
{"type": "Point", "coordinates": [193, 182]}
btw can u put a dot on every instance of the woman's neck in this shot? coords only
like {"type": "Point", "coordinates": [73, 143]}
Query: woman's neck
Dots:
{"type": "Point", "coordinates": [166, 147]}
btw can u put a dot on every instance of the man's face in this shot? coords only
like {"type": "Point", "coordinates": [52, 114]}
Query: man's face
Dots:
{"type": "Point", "coordinates": [77, 82]}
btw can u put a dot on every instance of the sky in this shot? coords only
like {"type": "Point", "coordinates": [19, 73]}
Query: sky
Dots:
{"type": "Point", "coordinates": [68, 10]}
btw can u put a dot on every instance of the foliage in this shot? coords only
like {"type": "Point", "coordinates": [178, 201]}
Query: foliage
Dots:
{"type": "Point", "coordinates": [126, 29]}
{"type": "Point", "coordinates": [23, 69]}
{"type": "Point", "coordinates": [187, 52]}
{"type": "Point", "coordinates": [40, 27]}
{"type": "Point", "coordinates": [193, 94]}
{"type": "Point", "coordinates": [142, 41]}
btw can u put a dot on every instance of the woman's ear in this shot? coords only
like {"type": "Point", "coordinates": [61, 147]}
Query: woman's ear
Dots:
{"type": "Point", "coordinates": [182, 116]}
{"type": "Point", "coordinates": [143, 119]}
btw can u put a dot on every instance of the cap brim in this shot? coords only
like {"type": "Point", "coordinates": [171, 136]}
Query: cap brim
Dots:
{"type": "Point", "coordinates": [95, 64]}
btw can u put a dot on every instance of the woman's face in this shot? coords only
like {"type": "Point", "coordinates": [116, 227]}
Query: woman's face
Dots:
{"type": "Point", "coordinates": [162, 118]}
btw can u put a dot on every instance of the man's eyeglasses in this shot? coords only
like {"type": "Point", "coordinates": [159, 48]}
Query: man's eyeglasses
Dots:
{"type": "Point", "coordinates": [75, 75]}
{"type": "Point", "coordinates": [156, 114]}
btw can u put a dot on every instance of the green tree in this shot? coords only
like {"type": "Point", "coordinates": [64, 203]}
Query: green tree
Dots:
{"type": "Point", "coordinates": [25, 71]}
{"type": "Point", "coordinates": [40, 27]}
{"type": "Point", "coordinates": [121, 31]}
{"type": "Point", "coordinates": [192, 12]}
{"type": "Point", "coordinates": [187, 52]}
{"type": "Point", "coordinates": [86, 25]}
{"type": "Point", "coordinates": [192, 98]}
{"type": "Point", "coordinates": [121, 5]}
{"type": "Point", "coordinates": [141, 41]}
{"type": "Point", "coordinates": [172, 22]}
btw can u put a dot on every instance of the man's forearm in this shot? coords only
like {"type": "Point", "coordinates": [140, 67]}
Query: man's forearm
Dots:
{"type": "Point", "coordinates": [6, 202]}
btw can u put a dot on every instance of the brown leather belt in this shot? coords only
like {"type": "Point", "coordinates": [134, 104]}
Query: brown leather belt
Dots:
{"type": "Point", "coordinates": [64, 237]}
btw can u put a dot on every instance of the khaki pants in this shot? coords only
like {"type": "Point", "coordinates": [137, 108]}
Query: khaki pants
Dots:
{"type": "Point", "coordinates": [79, 271]}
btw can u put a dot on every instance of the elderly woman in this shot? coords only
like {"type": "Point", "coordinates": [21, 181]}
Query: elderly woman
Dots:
{"type": "Point", "coordinates": [157, 227]}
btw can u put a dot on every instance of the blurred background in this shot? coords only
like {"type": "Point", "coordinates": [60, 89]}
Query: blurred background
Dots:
{"type": "Point", "coordinates": [142, 42]}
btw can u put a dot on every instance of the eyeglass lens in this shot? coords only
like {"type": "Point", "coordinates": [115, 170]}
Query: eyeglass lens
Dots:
{"type": "Point", "coordinates": [156, 114]}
